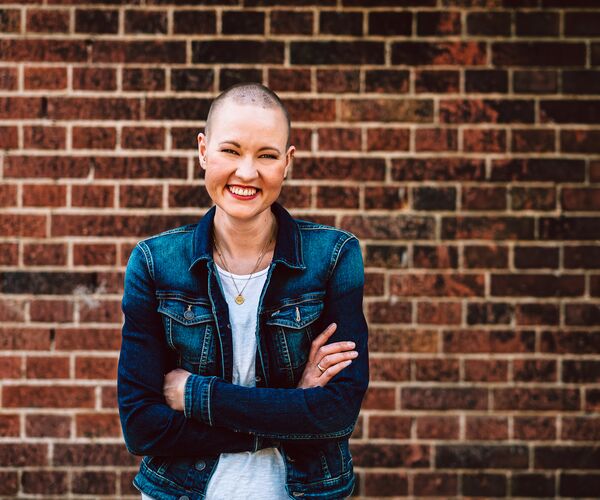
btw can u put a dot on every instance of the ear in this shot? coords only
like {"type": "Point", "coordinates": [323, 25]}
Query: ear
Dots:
{"type": "Point", "coordinates": [202, 149]}
{"type": "Point", "coordinates": [289, 155]}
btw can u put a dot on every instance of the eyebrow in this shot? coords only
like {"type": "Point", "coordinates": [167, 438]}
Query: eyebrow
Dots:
{"type": "Point", "coordinates": [237, 145]}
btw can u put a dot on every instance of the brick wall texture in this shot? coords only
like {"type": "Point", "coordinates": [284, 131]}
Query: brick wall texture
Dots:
{"type": "Point", "coordinates": [458, 139]}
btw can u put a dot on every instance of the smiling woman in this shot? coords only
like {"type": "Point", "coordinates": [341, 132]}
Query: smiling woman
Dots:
{"type": "Point", "coordinates": [238, 375]}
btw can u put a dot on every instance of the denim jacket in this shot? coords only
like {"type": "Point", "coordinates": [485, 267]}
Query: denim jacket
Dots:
{"type": "Point", "coordinates": [176, 316]}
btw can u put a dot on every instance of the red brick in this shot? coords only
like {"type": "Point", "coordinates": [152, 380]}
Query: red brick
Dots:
{"type": "Point", "coordinates": [388, 426]}
{"type": "Point", "coordinates": [483, 370]}
{"type": "Point", "coordinates": [484, 141]}
{"type": "Point", "coordinates": [385, 312]}
{"type": "Point", "coordinates": [435, 484]}
{"type": "Point", "coordinates": [389, 369]}
{"type": "Point", "coordinates": [44, 137]}
{"type": "Point", "coordinates": [47, 367]}
{"type": "Point", "coordinates": [63, 396]}
{"type": "Point", "coordinates": [29, 339]}
{"type": "Point", "coordinates": [439, 313]}
{"type": "Point", "coordinates": [339, 81]}
{"type": "Point", "coordinates": [92, 196]}
{"type": "Point", "coordinates": [436, 370]}
{"type": "Point", "coordinates": [484, 428]}
{"type": "Point", "coordinates": [143, 138]}
{"type": "Point", "coordinates": [483, 198]}
{"type": "Point", "coordinates": [424, 398]}
{"type": "Point", "coordinates": [540, 399]}
{"type": "Point", "coordinates": [436, 139]}
{"type": "Point", "coordinates": [94, 138]}
{"type": "Point", "coordinates": [379, 398]}
{"type": "Point", "coordinates": [56, 310]}
{"type": "Point", "coordinates": [386, 484]}
{"type": "Point", "coordinates": [289, 80]}
{"type": "Point", "coordinates": [9, 425]}
{"type": "Point", "coordinates": [397, 340]}
{"type": "Point", "coordinates": [388, 139]}
{"type": "Point", "coordinates": [23, 455]}
{"type": "Point", "coordinates": [444, 428]}
{"type": "Point", "coordinates": [339, 139]}
{"type": "Point", "coordinates": [94, 367]}
{"type": "Point", "coordinates": [390, 455]}
{"type": "Point", "coordinates": [533, 141]}
{"type": "Point", "coordinates": [45, 482]}
{"type": "Point", "coordinates": [45, 254]}
{"type": "Point", "coordinates": [45, 78]}
{"type": "Point", "coordinates": [535, 428]}
{"type": "Point", "coordinates": [8, 194]}
{"type": "Point", "coordinates": [48, 20]}
{"type": "Point", "coordinates": [94, 454]}
{"type": "Point", "coordinates": [134, 196]}
{"type": "Point", "coordinates": [97, 425]}
{"type": "Point", "coordinates": [47, 425]}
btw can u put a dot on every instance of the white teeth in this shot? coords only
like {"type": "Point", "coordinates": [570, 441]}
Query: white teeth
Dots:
{"type": "Point", "coordinates": [241, 191]}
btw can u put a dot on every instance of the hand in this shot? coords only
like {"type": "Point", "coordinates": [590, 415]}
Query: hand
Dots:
{"type": "Point", "coordinates": [333, 358]}
{"type": "Point", "coordinates": [174, 388]}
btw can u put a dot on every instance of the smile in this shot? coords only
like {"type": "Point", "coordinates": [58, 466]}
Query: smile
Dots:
{"type": "Point", "coordinates": [243, 193]}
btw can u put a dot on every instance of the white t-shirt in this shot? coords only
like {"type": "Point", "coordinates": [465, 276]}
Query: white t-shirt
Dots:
{"type": "Point", "coordinates": [246, 475]}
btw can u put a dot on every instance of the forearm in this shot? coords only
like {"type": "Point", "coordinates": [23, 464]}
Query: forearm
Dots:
{"type": "Point", "coordinates": [150, 426]}
{"type": "Point", "coordinates": [315, 413]}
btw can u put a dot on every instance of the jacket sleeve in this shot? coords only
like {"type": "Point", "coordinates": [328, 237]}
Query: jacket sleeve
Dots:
{"type": "Point", "coordinates": [291, 413]}
{"type": "Point", "coordinates": [150, 426]}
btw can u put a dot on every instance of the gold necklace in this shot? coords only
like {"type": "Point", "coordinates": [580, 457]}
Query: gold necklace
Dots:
{"type": "Point", "coordinates": [239, 299]}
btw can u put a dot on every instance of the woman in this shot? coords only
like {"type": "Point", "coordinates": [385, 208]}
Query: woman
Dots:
{"type": "Point", "coordinates": [244, 357]}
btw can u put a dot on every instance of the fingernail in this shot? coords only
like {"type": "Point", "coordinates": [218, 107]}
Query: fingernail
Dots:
{"type": "Point", "coordinates": [348, 362]}
{"type": "Point", "coordinates": [351, 344]}
{"type": "Point", "coordinates": [331, 325]}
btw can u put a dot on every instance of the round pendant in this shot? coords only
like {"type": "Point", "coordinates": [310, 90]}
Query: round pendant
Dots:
{"type": "Point", "coordinates": [239, 299]}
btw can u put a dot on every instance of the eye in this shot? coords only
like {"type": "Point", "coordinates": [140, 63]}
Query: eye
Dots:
{"type": "Point", "coordinates": [227, 150]}
{"type": "Point", "coordinates": [273, 157]}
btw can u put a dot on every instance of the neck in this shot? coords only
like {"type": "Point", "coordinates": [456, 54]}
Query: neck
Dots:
{"type": "Point", "coordinates": [244, 240]}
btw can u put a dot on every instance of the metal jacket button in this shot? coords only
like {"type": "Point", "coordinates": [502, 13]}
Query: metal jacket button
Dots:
{"type": "Point", "coordinates": [188, 314]}
{"type": "Point", "coordinates": [257, 378]}
{"type": "Point", "coordinates": [200, 465]}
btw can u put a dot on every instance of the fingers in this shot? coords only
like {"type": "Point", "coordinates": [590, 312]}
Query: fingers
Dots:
{"type": "Point", "coordinates": [332, 359]}
{"type": "Point", "coordinates": [334, 370]}
{"type": "Point", "coordinates": [335, 347]}
{"type": "Point", "coordinates": [322, 339]}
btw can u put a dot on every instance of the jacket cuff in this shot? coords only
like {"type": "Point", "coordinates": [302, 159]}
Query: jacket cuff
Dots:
{"type": "Point", "coordinates": [197, 395]}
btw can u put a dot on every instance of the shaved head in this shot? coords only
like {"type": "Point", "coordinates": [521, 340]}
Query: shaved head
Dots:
{"type": "Point", "coordinates": [254, 94]}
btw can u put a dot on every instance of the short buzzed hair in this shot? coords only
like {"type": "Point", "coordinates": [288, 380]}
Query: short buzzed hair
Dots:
{"type": "Point", "coordinates": [249, 93]}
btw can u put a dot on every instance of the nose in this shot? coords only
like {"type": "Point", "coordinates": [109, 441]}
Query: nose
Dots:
{"type": "Point", "coordinates": [246, 169]}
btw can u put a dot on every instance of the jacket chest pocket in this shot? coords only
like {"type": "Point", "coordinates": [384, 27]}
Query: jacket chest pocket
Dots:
{"type": "Point", "coordinates": [190, 330]}
{"type": "Point", "coordinates": [290, 331]}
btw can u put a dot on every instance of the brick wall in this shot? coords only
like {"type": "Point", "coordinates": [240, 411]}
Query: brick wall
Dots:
{"type": "Point", "coordinates": [459, 140]}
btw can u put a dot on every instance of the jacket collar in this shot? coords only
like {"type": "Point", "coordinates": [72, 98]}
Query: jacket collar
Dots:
{"type": "Point", "coordinates": [288, 246]}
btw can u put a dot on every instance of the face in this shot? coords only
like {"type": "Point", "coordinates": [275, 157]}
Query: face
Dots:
{"type": "Point", "coordinates": [245, 149]}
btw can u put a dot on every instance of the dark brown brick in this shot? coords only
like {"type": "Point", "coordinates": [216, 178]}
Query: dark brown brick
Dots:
{"type": "Point", "coordinates": [386, 484]}
{"type": "Point", "coordinates": [45, 482]}
{"type": "Point", "coordinates": [420, 169]}
{"type": "Point", "coordinates": [490, 23]}
{"type": "Point", "coordinates": [115, 51]}
{"type": "Point", "coordinates": [438, 23]}
{"type": "Point", "coordinates": [194, 22]}
{"type": "Point", "coordinates": [390, 455]}
{"type": "Point", "coordinates": [435, 257]}
{"type": "Point", "coordinates": [540, 399]}
{"type": "Point", "coordinates": [582, 24]}
{"type": "Point", "coordinates": [482, 456]}
{"type": "Point", "coordinates": [245, 22]}
{"type": "Point", "coordinates": [143, 79]}
{"type": "Point", "coordinates": [538, 54]}
{"type": "Point", "coordinates": [340, 23]}
{"type": "Point", "coordinates": [96, 21]}
{"type": "Point", "coordinates": [439, 53]}
{"type": "Point", "coordinates": [390, 23]}
{"type": "Point", "coordinates": [435, 484]}
{"type": "Point", "coordinates": [537, 23]}
{"type": "Point", "coordinates": [391, 427]}
{"type": "Point", "coordinates": [486, 111]}
{"type": "Point", "coordinates": [437, 81]}
{"type": "Point", "coordinates": [536, 257]}
{"type": "Point", "coordinates": [290, 80]}
{"type": "Point", "coordinates": [336, 52]}
{"type": "Point", "coordinates": [484, 484]}
{"type": "Point", "coordinates": [499, 341]}
{"type": "Point", "coordinates": [535, 81]}
{"type": "Point", "coordinates": [191, 79]}
{"type": "Point", "coordinates": [438, 427]}
{"type": "Point", "coordinates": [152, 22]}
{"type": "Point", "coordinates": [450, 398]}
{"type": "Point", "coordinates": [94, 79]}
{"type": "Point", "coordinates": [542, 170]}
{"type": "Point", "coordinates": [566, 457]}
{"type": "Point", "coordinates": [533, 140]}
{"type": "Point", "coordinates": [287, 22]}
{"type": "Point", "coordinates": [494, 313]}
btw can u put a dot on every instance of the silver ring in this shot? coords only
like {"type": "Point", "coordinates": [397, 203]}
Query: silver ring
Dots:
{"type": "Point", "coordinates": [320, 368]}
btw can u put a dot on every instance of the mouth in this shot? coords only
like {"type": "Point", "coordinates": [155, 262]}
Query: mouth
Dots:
{"type": "Point", "coordinates": [240, 192]}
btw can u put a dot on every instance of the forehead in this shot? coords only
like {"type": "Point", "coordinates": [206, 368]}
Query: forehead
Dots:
{"type": "Point", "coordinates": [232, 118]}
